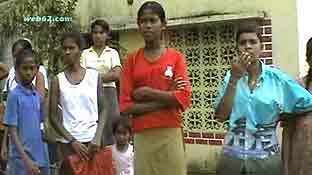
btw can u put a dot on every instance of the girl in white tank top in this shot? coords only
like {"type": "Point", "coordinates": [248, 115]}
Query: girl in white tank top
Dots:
{"type": "Point", "coordinates": [76, 90]}
{"type": "Point", "coordinates": [79, 105]}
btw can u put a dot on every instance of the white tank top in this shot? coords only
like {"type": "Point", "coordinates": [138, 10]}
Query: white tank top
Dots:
{"type": "Point", "coordinates": [80, 105]}
{"type": "Point", "coordinates": [123, 161]}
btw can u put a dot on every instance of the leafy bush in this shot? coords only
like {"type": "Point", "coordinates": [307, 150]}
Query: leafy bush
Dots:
{"type": "Point", "coordinates": [44, 35]}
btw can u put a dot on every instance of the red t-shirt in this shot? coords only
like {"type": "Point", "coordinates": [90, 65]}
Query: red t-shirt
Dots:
{"type": "Point", "coordinates": [138, 72]}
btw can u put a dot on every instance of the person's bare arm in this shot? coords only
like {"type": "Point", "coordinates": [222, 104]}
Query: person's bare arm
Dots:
{"type": "Point", "coordinates": [112, 75]}
{"type": "Point", "coordinates": [140, 108]}
{"type": "Point", "coordinates": [79, 148]}
{"type": "Point", "coordinates": [149, 99]}
{"type": "Point", "coordinates": [224, 108]}
{"type": "Point", "coordinates": [40, 86]}
{"type": "Point", "coordinates": [4, 72]}
{"type": "Point", "coordinates": [4, 144]}
{"type": "Point", "coordinates": [95, 144]}
{"type": "Point", "coordinates": [238, 69]}
{"type": "Point", "coordinates": [54, 111]}
{"type": "Point", "coordinates": [155, 96]}
{"type": "Point", "coordinates": [147, 94]}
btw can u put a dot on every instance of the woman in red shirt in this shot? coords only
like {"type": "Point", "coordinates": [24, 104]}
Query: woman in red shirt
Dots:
{"type": "Point", "coordinates": [155, 89]}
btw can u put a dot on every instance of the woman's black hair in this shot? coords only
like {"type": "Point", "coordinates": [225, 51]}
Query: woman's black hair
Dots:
{"type": "Point", "coordinates": [155, 7]}
{"type": "Point", "coordinates": [124, 122]}
{"type": "Point", "coordinates": [24, 43]}
{"type": "Point", "coordinates": [76, 36]}
{"type": "Point", "coordinates": [20, 58]}
{"type": "Point", "coordinates": [102, 23]}
{"type": "Point", "coordinates": [248, 27]}
{"type": "Point", "coordinates": [309, 60]}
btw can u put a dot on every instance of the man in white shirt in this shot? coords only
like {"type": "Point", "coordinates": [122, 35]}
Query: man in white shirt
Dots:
{"type": "Point", "coordinates": [101, 57]}
{"type": "Point", "coordinates": [106, 61]}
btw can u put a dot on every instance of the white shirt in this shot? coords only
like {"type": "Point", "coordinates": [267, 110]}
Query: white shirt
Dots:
{"type": "Point", "coordinates": [123, 161]}
{"type": "Point", "coordinates": [108, 60]}
{"type": "Point", "coordinates": [79, 105]}
{"type": "Point", "coordinates": [11, 82]}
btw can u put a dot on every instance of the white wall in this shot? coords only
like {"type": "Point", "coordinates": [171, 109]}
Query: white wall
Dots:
{"type": "Point", "coordinates": [305, 31]}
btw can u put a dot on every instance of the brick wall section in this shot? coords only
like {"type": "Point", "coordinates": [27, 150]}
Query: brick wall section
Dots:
{"type": "Point", "coordinates": [265, 28]}
{"type": "Point", "coordinates": [207, 138]}
{"type": "Point", "coordinates": [216, 138]}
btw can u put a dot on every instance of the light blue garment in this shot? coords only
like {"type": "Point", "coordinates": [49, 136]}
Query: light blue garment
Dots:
{"type": "Point", "coordinates": [24, 110]}
{"type": "Point", "coordinates": [239, 142]}
{"type": "Point", "coordinates": [275, 93]}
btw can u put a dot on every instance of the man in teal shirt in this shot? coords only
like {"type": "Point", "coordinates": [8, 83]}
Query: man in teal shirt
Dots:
{"type": "Point", "coordinates": [254, 96]}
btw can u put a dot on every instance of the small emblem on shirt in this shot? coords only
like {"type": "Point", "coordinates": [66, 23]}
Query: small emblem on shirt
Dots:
{"type": "Point", "coordinates": [168, 72]}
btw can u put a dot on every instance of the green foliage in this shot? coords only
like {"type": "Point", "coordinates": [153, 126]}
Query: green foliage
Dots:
{"type": "Point", "coordinates": [44, 35]}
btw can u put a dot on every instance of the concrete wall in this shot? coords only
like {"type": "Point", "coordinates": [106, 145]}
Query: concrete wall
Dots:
{"type": "Point", "coordinates": [304, 30]}
{"type": "Point", "coordinates": [283, 13]}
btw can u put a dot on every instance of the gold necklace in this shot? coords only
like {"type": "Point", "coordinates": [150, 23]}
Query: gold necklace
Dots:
{"type": "Point", "coordinates": [253, 84]}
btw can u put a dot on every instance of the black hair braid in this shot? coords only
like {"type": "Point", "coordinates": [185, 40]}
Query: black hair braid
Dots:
{"type": "Point", "coordinates": [308, 59]}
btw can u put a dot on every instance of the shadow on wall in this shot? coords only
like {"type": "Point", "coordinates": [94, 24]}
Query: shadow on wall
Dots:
{"type": "Point", "coordinates": [202, 159]}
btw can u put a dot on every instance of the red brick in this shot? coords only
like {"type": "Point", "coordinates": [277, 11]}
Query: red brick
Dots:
{"type": "Point", "coordinates": [185, 134]}
{"type": "Point", "coordinates": [261, 30]}
{"type": "Point", "coordinates": [268, 30]}
{"type": "Point", "coordinates": [189, 141]}
{"type": "Point", "coordinates": [268, 47]}
{"type": "Point", "coordinates": [201, 141]}
{"type": "Point", "coordinates": [266, 38]}
{"type": "Point", "coordinates": [266, 55]}
{"type": "Point", "coordinates": [215, 142]}
{"type": "Point", "coordinates": [208, 135]}
{"type": "Point", "coordinates": [220, 136]}
{"type": "Point", "coordinates": [266, 22]}
{"type": "Point", "coordinates": [194, 134]}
